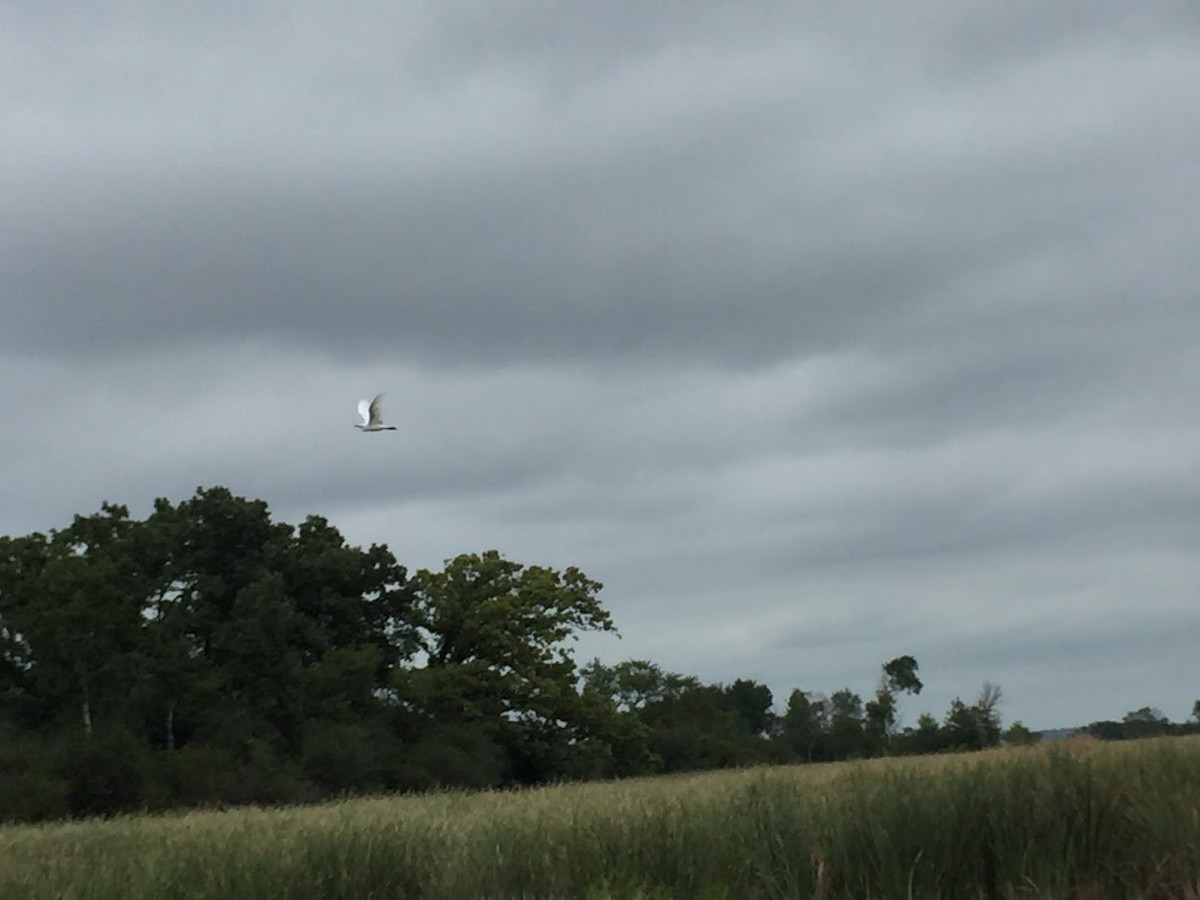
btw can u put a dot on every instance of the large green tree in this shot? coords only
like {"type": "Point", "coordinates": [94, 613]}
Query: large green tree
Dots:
{"type": "Point", "coordinates": [71, 609]}
{"type": "Point", "coordinates": [496, 639]}
{"type": "Point", "coordinates": [259, 626]}
{"type": "Point", "coordinates": [208, 628]}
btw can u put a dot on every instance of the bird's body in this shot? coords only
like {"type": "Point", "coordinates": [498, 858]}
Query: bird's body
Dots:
{"type": "Point", "coordinates": [372, 415]}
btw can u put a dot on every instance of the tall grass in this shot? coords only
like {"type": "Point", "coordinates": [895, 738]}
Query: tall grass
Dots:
{"type": "Point", "coordinates": [1092, 821]}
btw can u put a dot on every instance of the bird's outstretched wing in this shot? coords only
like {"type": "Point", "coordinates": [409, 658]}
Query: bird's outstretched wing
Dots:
{"type": "Point", "coordinates": [366, 410]}
{"type": "Point", "coordinates": [376, 410]}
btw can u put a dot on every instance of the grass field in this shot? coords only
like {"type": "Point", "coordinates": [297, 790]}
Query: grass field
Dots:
{"type": "Point", "coordinates": [1068, 821]}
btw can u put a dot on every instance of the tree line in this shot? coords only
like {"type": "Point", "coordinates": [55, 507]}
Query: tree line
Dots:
{"type": "Point", "coordinates": [208, 655]}
{"type": "Point", "coordinates": [1148, 721]}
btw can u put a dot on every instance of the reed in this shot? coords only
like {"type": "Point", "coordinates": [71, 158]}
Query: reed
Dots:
{"type": "Point", "coordinates": [1080, 821]}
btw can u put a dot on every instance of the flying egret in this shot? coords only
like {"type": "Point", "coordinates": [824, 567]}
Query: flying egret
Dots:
{"type": "Point", "coordinates": [372, 416]}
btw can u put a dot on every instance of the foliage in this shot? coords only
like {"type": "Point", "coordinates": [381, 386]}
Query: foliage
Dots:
{"type": "Point", "coordinates": [1018, 735]}
{"type": "Point", "coordinates": [211, 655]}
{"type": "Point", "coordinates": [1147, 721]}
{"type": "Point", "coordinates": [494, 633]}
{"type": "Point", "coordinates": [804, 725]}
{"type": "Point", "coordinates": [900, 675]}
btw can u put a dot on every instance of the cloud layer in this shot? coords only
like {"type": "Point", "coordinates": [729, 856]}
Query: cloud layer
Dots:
{"type": "Point", "coordinates": [818, 337]}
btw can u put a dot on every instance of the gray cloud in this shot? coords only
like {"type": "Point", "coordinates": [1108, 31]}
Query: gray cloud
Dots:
{"type": "Point", "coordinates": [707, 187]}
{"type": "Point", "coordinates": [818, 335]}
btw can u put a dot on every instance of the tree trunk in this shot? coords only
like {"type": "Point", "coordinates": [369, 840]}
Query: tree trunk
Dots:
{"type": "Point", "coordinates": [87, 708]}
{"type": "Point", "coordinates": [171, 725]}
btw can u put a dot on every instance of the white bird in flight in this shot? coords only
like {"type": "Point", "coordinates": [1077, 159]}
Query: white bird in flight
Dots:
{"type": "Point", "coordinates": [372, 415]}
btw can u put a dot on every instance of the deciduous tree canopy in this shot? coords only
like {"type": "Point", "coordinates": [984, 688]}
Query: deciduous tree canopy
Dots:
{"type": "Point", "coordinates": [209, 654]}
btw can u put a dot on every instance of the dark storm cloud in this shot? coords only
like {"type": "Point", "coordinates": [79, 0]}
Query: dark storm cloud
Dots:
{"type": "Point", "coordinates": [819, 335]}
{"type": "Point", "coordinates": [685, 180]}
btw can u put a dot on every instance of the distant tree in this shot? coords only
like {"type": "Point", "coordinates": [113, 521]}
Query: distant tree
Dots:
{"type": "Point", "coordinates": [879, 718]}
{"type": "Point", "coordinates": [1106, 730]}
{"type": "Point", "coordinates": [978, 725]}
{"type": "Point", "coordinates": [617, 743]}
{"type": "Point", "coordinates": [987, 708]}
{"type": "Point", "coordinates": [898, 675]}
{"type": "Point", "coordinates": [962, 726]}
{"type": "Point", "coordinates": [697, 729]}
{"type": "Point", "coordinates": [634, 683]}
{"type": "Point", "coordinates": [1149, 715]}
{"type": "Point", "coordinates": [927, 737]}
{"type": "Point", "coordinates": [751, 703]}
{"type": "Point", "coordinates": [803, 726]}
{"type": "Point", "coordinates": [686, 724]}
{"type": "Point", "coordinates": [845, 724]}
{"type": "Point", "coordinates": [1018, 735]}
{"type": "Point", "coordinates": [643, 702]}
{"type": "Point", "coordinates": [1196, 712]}
{"type": "Point", "coordinates": [1145, 722]}
{"type": "Point", "coordinates": [495, 634]}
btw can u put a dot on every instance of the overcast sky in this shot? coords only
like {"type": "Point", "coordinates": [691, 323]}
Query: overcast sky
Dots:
{"type": "Point", "coordinates": [818, 333]}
